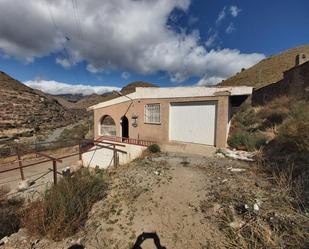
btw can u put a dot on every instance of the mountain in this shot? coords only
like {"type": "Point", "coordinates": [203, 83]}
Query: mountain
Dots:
{"type": "Point", "coordinates": [22, 108]}
{"type": "Point", "coordinates": [130, 88]}
{"type": "Point", "coordinates": [267, 71]}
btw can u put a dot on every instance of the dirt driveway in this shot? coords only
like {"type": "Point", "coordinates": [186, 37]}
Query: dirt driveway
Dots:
{"type": "Point", "coordinates": [188, 201]}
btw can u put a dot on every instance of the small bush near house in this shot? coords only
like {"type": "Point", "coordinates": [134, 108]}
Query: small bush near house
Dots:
{"type": "Point", "coordinates": [244, 140]}
{"type": "Point", "coordinates": [65, 206]}
{"type": "Point", "coordinates": [154, 148]}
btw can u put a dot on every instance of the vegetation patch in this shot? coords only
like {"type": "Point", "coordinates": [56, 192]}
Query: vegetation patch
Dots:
{"type": "Point", "coordinates": [65, 206]}
{"type": "Point", "coordinates": [244, 140]}
{"type": "Point", "coordinates": [77, 132]}
{"type": "Point", "coordinates": [154, 148]}
{"type": "Point", "coordinates": [10, 213]}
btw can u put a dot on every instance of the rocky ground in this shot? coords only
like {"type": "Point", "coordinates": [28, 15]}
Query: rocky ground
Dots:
{"type": "Point", "coordinates": [188, 201]}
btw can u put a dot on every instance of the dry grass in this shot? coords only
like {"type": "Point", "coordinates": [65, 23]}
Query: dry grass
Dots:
{"type": "Point", "coordinates": [10, 213]}
{"type": "Point", "coordinates": [64, 207]}
{"type": "Point", "coordinates": [275, 224]}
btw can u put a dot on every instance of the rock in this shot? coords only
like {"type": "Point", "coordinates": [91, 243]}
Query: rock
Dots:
{"type": "Point", "coordinates": [224, 180]}
{"type": "Point", "coordinates": [156, 173]}
{"type": "Point", "coordinates": [237, 224]}
{"type": "Point", "coordinates": [4, 240]}
{"type": "Point", "coordinates": [23, 185]}
{"type": "Point", "coordinates": [220, 155]}
{"type": "Point", "coordinates": [76, 166]}
{"type": "Point", "coordinates": [257, 205]}
{"type": "Point", "coordinates": [235, 169]}
{"type": "Point", "coordinates": [66, 172]}
{"type": "Point", "coordinates": [237, 154]}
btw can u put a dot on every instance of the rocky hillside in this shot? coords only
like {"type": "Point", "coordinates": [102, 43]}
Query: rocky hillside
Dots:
{"type": "Point", "coordinates": [22, 108]}
{"type": "Point", "coordinates": [267, 71]}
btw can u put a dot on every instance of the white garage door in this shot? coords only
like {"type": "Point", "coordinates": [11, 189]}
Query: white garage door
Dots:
{"type": "Point", "coordinates": [193, 122]}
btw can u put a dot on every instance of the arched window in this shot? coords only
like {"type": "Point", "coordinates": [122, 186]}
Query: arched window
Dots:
{"type": "Point", "coordinates": [108, 126]}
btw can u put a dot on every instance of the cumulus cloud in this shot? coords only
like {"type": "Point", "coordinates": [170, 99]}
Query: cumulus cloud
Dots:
{"type": "Point", "coordinates": [55, 87]}
{"type": "Point", "coordinates": [217, 61]}
{"type": "Point", "coordinates": [132, 36]}
{"type": "Point", "coordinates": [234, 10]}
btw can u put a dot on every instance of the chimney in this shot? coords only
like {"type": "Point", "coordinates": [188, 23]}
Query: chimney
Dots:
{"type": "Point", "coordinates": [300, 59]}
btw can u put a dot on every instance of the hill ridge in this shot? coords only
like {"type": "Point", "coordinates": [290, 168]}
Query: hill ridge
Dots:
{"type": "Point", "coordinates": [268, 70]}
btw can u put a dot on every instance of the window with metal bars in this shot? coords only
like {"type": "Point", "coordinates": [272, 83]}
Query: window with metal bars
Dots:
{"type": "Point", "coordinates": [152, 114]}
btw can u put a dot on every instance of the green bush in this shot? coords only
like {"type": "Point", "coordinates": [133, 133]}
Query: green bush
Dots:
{"type": "Point", "coordinates": [247, 141]}
{"type": "Point", "coordinates": [65, 206]}
{"type": "Point", "coordinates": [154, 148]}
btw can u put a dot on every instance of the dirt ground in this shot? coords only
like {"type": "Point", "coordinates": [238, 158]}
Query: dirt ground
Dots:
{"type": "Point", "coordinates": [40, 173]}
{"type": "Point", "coordinates": [179, 197]}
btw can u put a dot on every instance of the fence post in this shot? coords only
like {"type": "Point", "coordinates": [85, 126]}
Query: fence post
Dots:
{"type": "Point", "coordinates": [20, 163]}
{"type": "Point", "coordinates": [115, 155]}
{"type": "Point", "coordinates": [55, 171]}
{"type": "Point", "coordinates": [79, 150]}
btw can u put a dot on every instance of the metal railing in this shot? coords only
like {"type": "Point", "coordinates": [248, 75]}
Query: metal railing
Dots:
{"type": "Point", "coordinates": [84, 146]}
{"type": "Point", "coordinates": [127, 140]}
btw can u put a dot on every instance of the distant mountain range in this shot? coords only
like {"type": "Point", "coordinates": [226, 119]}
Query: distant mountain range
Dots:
{"type": "Point", "coordinates": [267, 71]}
{"type": "Point", "coordinates": [23, 108]}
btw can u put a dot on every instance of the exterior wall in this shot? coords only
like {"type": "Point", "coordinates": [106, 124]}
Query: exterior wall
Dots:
{"type": "Point", "coordinates": [103, 158]}
{"type": "Point", "coordinates": [160, 132]}
{"type": "Point", "coordinates": [294, 83]}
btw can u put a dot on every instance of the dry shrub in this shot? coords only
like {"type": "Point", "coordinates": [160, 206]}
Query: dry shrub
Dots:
{"type": "Point", "coordinates": [10, 213]}
{"type": "Point", "coordinates": [65, 206]}
{"type": "Point", "coordinates": [294, 133]}
{"type": "Point", "coordinates": [245, 118]}
{"type": "Point", "coordinates": [277, 224]}
{"type": "Point", "coordinates": [274, 112]}
{"type": "Point", "coordinates": [244, 140]}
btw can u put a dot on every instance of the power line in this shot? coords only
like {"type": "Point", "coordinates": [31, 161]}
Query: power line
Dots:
{"type": "Point", "coordinates": [51, 16]}
{"type": "Point", "coordinates": [78, 18]}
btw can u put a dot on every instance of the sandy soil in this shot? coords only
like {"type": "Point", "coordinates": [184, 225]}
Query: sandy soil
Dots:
{"type": "Point", "coordinates": [174, 195]}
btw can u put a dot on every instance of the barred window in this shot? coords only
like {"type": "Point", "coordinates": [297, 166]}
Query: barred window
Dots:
{"type": "Point", "coordinates": [152, 114]}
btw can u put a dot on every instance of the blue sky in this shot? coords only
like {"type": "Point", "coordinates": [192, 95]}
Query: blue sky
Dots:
{"type": "Point", "coordinates": [170, 43]}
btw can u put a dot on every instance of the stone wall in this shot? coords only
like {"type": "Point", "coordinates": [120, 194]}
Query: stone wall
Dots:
{"type": "Point", "coordinates": [295, 83]}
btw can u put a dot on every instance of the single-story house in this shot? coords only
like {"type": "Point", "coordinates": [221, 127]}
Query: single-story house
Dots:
{"type": "Point", "coordinates": [199, 115]}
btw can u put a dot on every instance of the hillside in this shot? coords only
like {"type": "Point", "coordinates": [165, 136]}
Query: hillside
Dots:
{"type": "Point", "coordinates": [267, 71]}
{"type": "Point", "coordinates": [22, 108]}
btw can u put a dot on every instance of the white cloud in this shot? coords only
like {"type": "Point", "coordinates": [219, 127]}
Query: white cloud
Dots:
{"type": "Point", "coordinates": [230, 28]}
{"type": "Point", "coordinates": [125, 75]}
{"type": "Point", "coordinates": [132, 36]}
{"type": "Point", "coordinates": [221, 16]}
{"type": "Point", "coordinates": [209, 81]}
{"type": "Point", "coordinates": [55, 87]}
{"type": "Point", "coordinates": [211, 40]}
{"type": "Point", "coordinates": [224, 63]}
{"type": "Point", "coordinates": [234, 10]}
